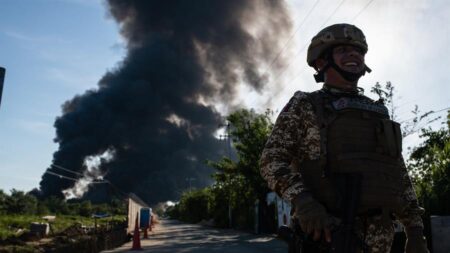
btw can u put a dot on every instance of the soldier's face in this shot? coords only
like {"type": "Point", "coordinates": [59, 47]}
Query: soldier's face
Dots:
{"type": "Point", "coordinates": [349, 58]}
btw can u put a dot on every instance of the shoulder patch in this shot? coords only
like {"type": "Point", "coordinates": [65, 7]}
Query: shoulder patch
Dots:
{"type": "Point", "coordinates": [359, 103]}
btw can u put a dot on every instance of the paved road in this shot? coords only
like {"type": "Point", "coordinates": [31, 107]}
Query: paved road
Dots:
{"type": "Point", "coordinates": [172, 237]}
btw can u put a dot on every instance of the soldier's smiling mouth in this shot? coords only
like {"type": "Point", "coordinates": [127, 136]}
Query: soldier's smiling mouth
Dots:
{"type": "Point", "coordinates": [351, 63]}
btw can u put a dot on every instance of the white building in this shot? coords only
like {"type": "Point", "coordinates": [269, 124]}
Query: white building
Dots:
{"type": "Point", "coordinates": [283, 208]}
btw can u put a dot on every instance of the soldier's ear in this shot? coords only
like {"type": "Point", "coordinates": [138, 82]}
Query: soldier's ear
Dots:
{"type": "Point", "coordinates": [320, 63]}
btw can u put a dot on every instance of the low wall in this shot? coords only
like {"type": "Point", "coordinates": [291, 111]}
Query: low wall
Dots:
{"type": "Point", "coordinates": [91, 243]}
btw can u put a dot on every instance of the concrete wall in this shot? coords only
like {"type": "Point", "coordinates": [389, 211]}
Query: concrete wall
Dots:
{"type": "Point", "coordinates": [134, 209]}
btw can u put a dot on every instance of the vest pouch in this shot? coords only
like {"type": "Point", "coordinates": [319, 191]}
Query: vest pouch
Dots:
{"type": "Point", "coordinates": [322, 188]}
{"type": "Point", "coordinates": [381, 187]}
{"type": "Point", "coordinates": [391, 137]}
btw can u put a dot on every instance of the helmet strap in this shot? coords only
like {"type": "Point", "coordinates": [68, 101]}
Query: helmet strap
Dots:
{"type": "Point", "coordinates": [349, 76]}
{"type": "Point", "coordinates": [320, 75]}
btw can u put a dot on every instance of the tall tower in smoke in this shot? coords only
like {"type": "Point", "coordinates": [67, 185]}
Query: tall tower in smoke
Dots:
{"type": "Point", "coordinates": [155, 115]}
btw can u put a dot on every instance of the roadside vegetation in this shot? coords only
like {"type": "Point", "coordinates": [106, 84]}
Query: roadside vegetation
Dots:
{"type": "Point", "coordinates": [15, 225]}
{"type": "Point", "coordinates": [238, 186]}
{"type": "Point", "coordinates": [19, 209]}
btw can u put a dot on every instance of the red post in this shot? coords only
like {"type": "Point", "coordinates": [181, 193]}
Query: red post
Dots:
{"type": "Point", "coordinates": [145, 232]}
{"type": "Point", "coordinates": [151, 223]}
{"type": "Point", "coordinates": [136, 236]}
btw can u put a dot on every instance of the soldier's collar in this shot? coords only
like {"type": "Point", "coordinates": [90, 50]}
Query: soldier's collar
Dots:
{"type": "Point", "coordinates": [337, 91]}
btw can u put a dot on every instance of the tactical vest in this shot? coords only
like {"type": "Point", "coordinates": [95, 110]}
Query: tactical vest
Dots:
{"type": "Point", "coordinates": [357, 136]}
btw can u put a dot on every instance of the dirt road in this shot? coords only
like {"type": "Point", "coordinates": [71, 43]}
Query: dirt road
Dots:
{"type": "Point", "coordinates": [172, 237]}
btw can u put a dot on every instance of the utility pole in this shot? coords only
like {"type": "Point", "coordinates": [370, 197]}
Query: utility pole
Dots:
{"type": "Point", "coordinates": [2, 78]}
{"type": "Point", "coordinates": [227, 138]}
{"type": "Point", "coordinates": [190, 179]}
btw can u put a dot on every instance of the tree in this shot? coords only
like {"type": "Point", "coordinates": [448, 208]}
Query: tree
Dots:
{"type": "Point", "coordinates": [118, 206]}
{"type": "Point", "coordinates": [193, 205]}
{"type": "Point", "coordinates": [239, 184]}
{"type": "Point", "coordinates": [20, 203]}
{"type": "Point", "coordinates": [3, 197]}
{"type": "Point", "coordinates": [85, 208]}
{"type": "Point", "coordinates": [250, 132]}
{"type": "Point", "coordinates": [57, 205]}
{"type": "Point", "coordinates": [429, 165]}
{"type": "Point", "coordinates": [387, 96]}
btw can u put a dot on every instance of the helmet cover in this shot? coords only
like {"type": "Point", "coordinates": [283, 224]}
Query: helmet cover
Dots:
{"type": "Point", "coordinates": [334, 35]}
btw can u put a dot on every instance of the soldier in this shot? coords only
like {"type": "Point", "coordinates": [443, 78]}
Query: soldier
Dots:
{"type": "Point", "coordinates": [337, 131]}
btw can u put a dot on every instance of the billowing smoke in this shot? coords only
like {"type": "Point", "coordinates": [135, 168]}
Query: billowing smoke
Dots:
{"type": "Point", "coordinates": [157, 111]}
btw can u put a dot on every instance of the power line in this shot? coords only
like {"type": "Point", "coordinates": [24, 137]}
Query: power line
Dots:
{"type": "Point", "coordinates": [80, 174]}
{"type": "Point", "coordinates": [428, 113]}
{"type": "Point", "coordinates": [304, 47]}
{"type": "Point", "coordinates": [103, 181]}
{"type": "Point", "coordinates": [60, 176]}
{"type": "Point", "coordinates": [95, 181]}
{"type": "Point", "coordinates": [334, 12]}
{"type": "Point", "coordinates": [71, 171]}
{"type": "Point", "coordinates": [295, 32]}
{"type": "Point", "coordinates": [323, 24]}
{"type": "Point", "coordinates": [361, 11]}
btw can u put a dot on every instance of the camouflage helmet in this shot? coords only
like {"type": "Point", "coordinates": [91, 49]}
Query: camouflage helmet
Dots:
{"type": "Point", "coordinates": [338, 34]}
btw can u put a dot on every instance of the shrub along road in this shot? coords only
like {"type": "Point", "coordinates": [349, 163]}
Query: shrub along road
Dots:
{"type": "Point", "coordinates": [170, 236]}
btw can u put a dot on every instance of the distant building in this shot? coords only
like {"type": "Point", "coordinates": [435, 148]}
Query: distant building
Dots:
{"type": "Point", "coordinates": [283, 208]}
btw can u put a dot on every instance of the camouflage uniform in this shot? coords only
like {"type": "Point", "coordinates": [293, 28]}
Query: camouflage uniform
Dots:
{"type": "Point", "coordinates": [296, 138]}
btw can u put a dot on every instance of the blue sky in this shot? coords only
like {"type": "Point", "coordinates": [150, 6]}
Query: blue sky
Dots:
{"type": "Point", "coordinates": [51, 50]}
{"type": "Point", "coordinates": [55, 49]}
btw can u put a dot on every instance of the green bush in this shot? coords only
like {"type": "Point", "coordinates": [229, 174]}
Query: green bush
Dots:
{"type": "Point", "coordinates": [173, 212]}
{"type": "Point", "coordinates": [218, 206]}
{"type": "Point", "coordinates": [18, 248]}
{"type": "Point", "coordinates": [57, 206]}
{"type": "Point", "coordinates": [238, 184]}
{"type": "Point", "coordinates": [85, 209]}
{"type": "Point", "coordinates": [193, 206]}
{"type": "Point", "coordinates": [20, 203]}
{"type": "Point", "coordinates": [42, 209]}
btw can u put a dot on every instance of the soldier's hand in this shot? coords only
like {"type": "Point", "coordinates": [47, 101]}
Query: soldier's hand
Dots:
{"type": "Point", "coordinates": [312, 216]}
{"type": "Point", "coordinates": [416, 242]}
{"type": "Point", "coordinates": [318, 233]}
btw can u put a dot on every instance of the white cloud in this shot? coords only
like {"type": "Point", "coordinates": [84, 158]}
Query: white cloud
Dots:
{"type": "Point", "coordinates": [33, 126]}
{"type": "Point", "coordinates": [29, 38]}
{"type": "Point", "coordinates": [74, 79]}
{"type": "Point", "coordinates": [88, 3]}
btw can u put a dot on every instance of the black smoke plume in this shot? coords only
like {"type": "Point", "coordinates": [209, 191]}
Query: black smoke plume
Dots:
{"type": "Point", "coordinates": [156, 112]}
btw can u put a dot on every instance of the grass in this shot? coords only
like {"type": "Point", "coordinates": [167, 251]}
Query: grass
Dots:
{"type": "Point", "coordinates": [9, 224]}
{"type": "Point", "coordinates": [17, 248]}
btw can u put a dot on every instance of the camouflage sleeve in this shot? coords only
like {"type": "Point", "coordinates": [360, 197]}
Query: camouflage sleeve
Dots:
{"type": "Point", "coordinates": [295, 135]}
{"type": "Point", "coordinates": [411, 214]}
